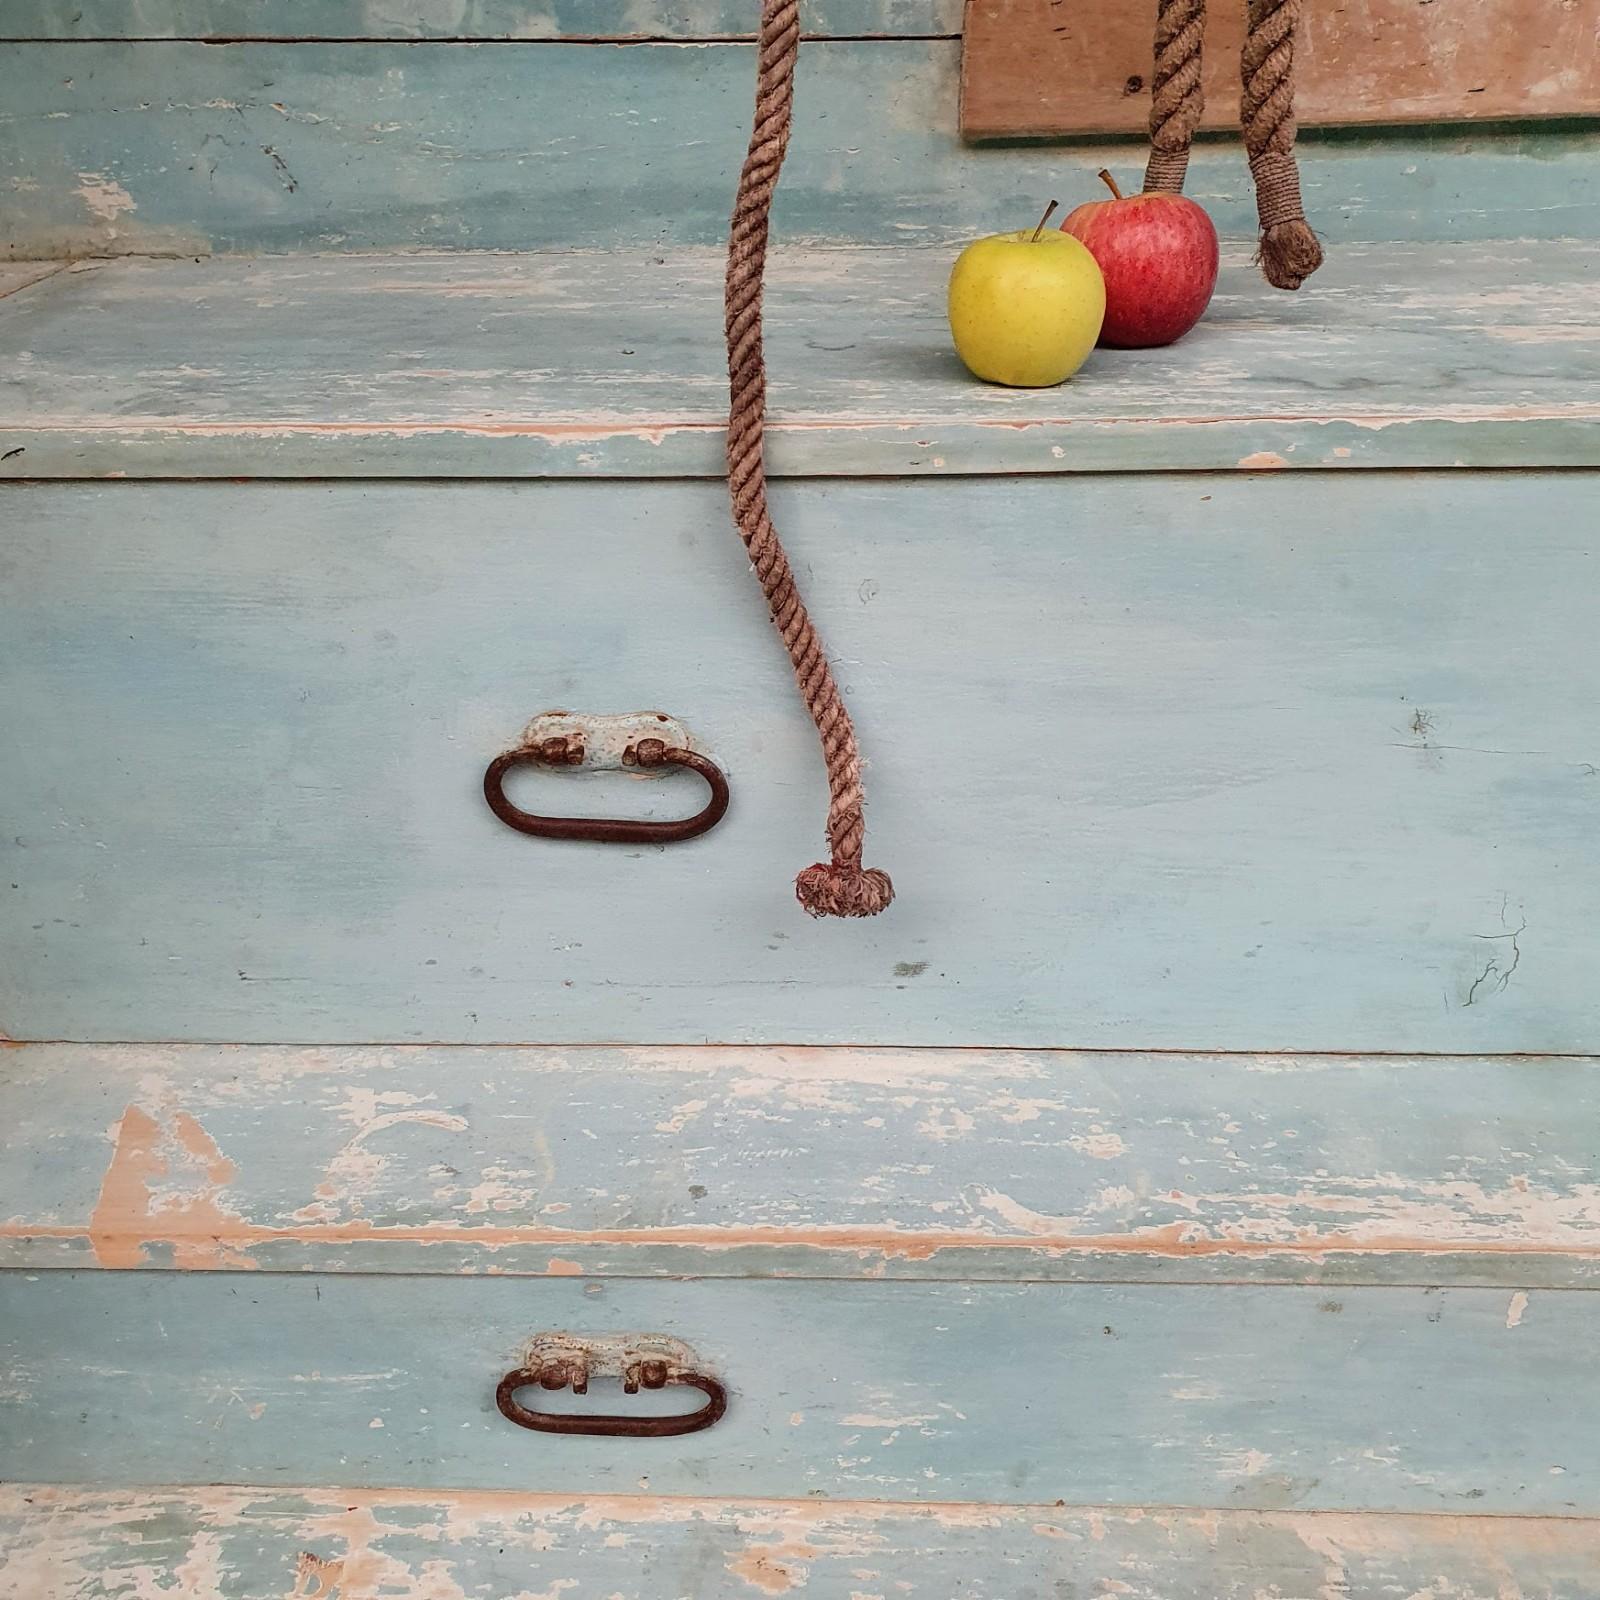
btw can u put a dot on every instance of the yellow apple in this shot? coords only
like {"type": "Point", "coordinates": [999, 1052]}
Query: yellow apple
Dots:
{"type": "Point", "coordinates": [1026, 308]}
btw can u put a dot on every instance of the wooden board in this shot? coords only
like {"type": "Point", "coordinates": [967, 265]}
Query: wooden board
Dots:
{"type": "Point", "coordinates": [1246, 1396]}
{"type": "Point", "coordinates": [1285, 770]}
{"type": "Point", "coordinates": [134, 149]}
{"type": "Point", "coordinates": [611, 365]}
{"type": "Point", "coordinates": [1047, 67]}
{"type": "Point", "coordinates": [964, 1165]}
{"type": "Point", "coordinates": [267, 1544]}
{"type": "Point", "coordinates": [518, 21]}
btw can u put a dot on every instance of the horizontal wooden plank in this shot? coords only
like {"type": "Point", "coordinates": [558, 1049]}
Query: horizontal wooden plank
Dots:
{"type": "Point", "coordinates": [1034, 68]}
{"type": "Point", "coordinates": [243, 1544]}
{"type": "Point", "coordinates": [295, 147]}
{"type": "Point", "coordinates": [966, 1165]}
{"type": "Point", "coordinates": [1245, 1396]}
{"type": "Point", "coordinates": [1258, 769]}
{"type": "Point", "coordinates": [611, 365]}
{"type": "Point", "coordinates": [524, 21]}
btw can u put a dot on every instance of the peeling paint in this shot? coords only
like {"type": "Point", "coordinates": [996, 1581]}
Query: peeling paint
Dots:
{"type": "Point", "coordinates": [165, 1180]}
{"type": "Point", "coordinates": [383, 1167]}
{"type": "Point", "coordinates": [104, 197]}
{"type": "Point", "coordinates": [770, 1569]}
{"type": "Point", "coordinates": [316, 1579]}
{"type": "Point", "coordinates": [118, 1242]}
{"type": "Point", "coordinates": [356, 1166]}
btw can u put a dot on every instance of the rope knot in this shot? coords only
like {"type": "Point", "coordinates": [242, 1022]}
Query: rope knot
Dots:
{"type": "Point", "coordinates": [833, 889]}
{"type": "Point", "coordinates": [1289, 252]}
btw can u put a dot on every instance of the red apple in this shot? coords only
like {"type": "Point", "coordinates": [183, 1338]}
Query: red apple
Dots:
{"type": "Point", "coordinates": [1158, 255]}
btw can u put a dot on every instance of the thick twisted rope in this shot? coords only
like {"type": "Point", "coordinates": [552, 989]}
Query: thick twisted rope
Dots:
{"type": "Point", "coordinates": [841, 887]}
{"type": "Point", "coordinates": [1177, 97]}
{"type": "Point", "coordinates": [1289, 251]}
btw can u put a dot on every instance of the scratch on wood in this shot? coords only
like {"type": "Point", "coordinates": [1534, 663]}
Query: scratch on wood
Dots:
{"type": "Point", "coordinates": [356, 1166]}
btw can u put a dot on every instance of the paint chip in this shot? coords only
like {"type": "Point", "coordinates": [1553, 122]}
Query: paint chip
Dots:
{"type": "Point", "coordinates": [106, 199]}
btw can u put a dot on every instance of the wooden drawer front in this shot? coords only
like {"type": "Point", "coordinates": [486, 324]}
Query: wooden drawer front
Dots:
{"type": "Point", "coordinates": [844, 1164]}
{"type": "Point", "coordinates": [1158, 761]}
{"type": "Point", "coordinates": [1253, 1397]}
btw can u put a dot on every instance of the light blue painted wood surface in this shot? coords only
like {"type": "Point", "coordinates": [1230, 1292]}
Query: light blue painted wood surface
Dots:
{"type": "Point", "coordinates": [523, 20]}
{"type": "Point", "coordinates": [181, 148]}
{"type": "Point", "coordinates": [242, 1544]}
{"type": "Point", "coordinates": [1157, 762]}
{"type": "Point", "coordinates": [612, 365]}
{"type": "Point", "coordinates": [1257, 1398]}
{"type": "Point", "coordinates": [964, 1165]}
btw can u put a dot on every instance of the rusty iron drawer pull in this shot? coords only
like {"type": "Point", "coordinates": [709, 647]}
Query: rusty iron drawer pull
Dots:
{"type": "Point", "coordinates": [645, 742]}
{"type": "Point", "coordinates": [645, 1374]}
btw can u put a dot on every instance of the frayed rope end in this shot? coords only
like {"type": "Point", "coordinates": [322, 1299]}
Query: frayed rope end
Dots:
{"type": "Point", "coordinates": [1289, 253]}
{"type": "Point", "coordinates": [826, 890]}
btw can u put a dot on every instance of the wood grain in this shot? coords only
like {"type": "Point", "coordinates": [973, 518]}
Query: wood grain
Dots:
{"type": "Point", "coordinates": [962, 1165]}
{"type": "Point", "coordinates": [1041, 67]}
{"type": "Point", "coordinates": [1250, 1397]}
{"type": "Point", "coordinates": [121, 148]}
{"type": "Point", "coordinates": [611, 365]}
{"type": "Point", "coordinates": [246, 1544]}
{"type": "Point", "coordinates": [1285, 771]}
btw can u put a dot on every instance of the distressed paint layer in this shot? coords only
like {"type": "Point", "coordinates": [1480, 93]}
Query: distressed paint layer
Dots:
{"type": "Point", "coordinates": [1261, 1397]}
{"type": "Point", "coordinates": [87, 1544]}
{"type": "Point", "coordinates": [940, 1163]}
{"type": "Point", "coordinates": [606, 365]}
{"type": "Point", "coordinates": [164, 1180]}
{"type": "Point", "coordinates": [522, 21]}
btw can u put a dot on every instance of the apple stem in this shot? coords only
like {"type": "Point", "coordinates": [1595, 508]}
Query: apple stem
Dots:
{"type": "Point", "coordinates": [1049, 210]}
{"type": "Point", "coordinates": [1110, 183]}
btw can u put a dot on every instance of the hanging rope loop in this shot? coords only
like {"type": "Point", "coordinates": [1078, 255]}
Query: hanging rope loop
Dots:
{"type": "Point", "coordinates": [840, 887]}
{"type": "Point", "coordinates": [1289, 252]}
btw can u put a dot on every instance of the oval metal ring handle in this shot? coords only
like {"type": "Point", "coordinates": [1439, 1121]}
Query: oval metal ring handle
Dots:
{"type": "Point", "coordinates": [609, 830]}
{"type": "Point", "coordinates": [611, 1424]}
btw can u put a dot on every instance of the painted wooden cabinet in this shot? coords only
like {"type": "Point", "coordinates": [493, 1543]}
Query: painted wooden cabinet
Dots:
{"type": "Point", "coordinates": [1187, 1189]}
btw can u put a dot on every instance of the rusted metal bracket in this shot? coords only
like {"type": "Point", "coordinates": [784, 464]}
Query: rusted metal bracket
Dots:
{"type": "Point", "coordinates": [647, 742]}
{"type": "Point", "coordinates": [642, 1361]}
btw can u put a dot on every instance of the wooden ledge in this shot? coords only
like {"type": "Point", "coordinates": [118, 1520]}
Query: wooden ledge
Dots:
{"type": "Point", "coordinates": [610, 365]}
